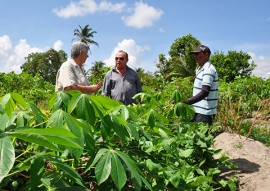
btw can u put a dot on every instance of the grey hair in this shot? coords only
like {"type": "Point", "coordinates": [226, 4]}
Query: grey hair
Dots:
{"type": "Point", "coordinates": [77, 48]}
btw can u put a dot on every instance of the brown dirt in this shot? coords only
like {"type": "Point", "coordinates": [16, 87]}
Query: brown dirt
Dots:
{"type": "Point", "coordinates": [251, 157]}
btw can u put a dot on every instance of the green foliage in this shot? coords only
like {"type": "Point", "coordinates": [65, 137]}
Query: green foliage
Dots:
{"type": "Point", "coordinates": [46, 64]}
{"type": "Point", "coordinates": [97, 72]}
{"type": "Point", "coordinates": [234, 64]}
{"type": "Point", "coordinates": [94, 140]}
{"type": "Point", "coordinates": [146, 77]}
{"type": "Point", "coordinates": [240, 99]}
{"type": "Point", "coordinates": [7, 156]}
{"type": "Point", "coordinates": [180, 63]}
{"type": "Point", "coordinates": [34, 89]}
{"type": "Point", "coordinates": [85, 34]}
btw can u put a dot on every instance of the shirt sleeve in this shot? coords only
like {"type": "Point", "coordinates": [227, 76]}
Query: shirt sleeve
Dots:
{"type": "Point", "coordinates": [106, 90]}
{"type": "Point", "coordinates": [201, 95]}
{"type": "Point", "coordinates": [138, 84]}
{"type": "Point", "coordinates": [208, 77]}
{"type": "Point", "coordinates": [67, 76]}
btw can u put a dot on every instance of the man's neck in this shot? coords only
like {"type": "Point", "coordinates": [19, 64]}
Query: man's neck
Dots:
{"type": "Point", "coordinates": [77, 61]}
{"type": "Point", "coordinates": [122, 70]}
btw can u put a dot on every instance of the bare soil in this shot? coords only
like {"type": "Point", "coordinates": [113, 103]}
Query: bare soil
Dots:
{"type": "Point", "coordinates": [252, 158]}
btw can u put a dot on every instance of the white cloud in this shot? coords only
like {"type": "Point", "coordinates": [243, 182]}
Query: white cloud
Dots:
{"type": "Point", "coordinates": [134, 53]}
{"type": "Point", "coordinates": [256, 51]}
{"type": "Point", "coordinates": [84, 7]}
{"type": "Point", "coordinates": [263, 66]}
{"type": "Point", "coordinates": [17, 57]}
{"type": "Point", "coordinates": [12, 58]}
{"type": "Point", "coordinates": [108, 6]}
{"type": "Point", "coordinates": [5, 45]}
{"type": "Point", "coordinates": [143, 16]}
{"type": "Point", "coordinates": [58, 45]}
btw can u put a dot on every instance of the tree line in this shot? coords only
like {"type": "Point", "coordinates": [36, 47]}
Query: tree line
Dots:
{"type": "Point", "coordinates": [179, 64]}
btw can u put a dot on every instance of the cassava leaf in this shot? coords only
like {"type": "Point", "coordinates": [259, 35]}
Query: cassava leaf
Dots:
{"type": "Point", "coordinates": [118, 173]}
{"type": "Point", "coordinates": [103, 168]}
{"type": "Point", "coordinates": [7, 156]}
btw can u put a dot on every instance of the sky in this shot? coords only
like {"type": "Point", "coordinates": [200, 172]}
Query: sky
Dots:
{"type": "Point", "coordinates": [143, 28]}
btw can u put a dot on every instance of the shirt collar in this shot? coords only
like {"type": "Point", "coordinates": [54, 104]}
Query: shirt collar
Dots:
{"type": "Point", "coordinates": [206, 64]}
{"type": "Point", "coordinates": [114, 69]}
{"type": "Point", "coordinates": [74, 63]}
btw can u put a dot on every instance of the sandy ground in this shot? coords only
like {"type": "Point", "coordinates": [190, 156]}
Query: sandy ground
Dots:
{"type": "Point", "coordinates": [251, 157]}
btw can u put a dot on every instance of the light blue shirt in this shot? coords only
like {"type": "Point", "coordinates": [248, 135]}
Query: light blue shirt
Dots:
{"type": "Point", "coordinates": [206, 75]}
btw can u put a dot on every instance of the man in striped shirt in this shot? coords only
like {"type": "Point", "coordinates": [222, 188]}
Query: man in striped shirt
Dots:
{"type": "Point", "coordinates": [205, 90]}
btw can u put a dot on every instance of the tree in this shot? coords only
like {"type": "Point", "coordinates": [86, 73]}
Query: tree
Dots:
{"type": "Point", "coordinates": [234, 64]}
{"type": "Point", "coordinates": [97, 72]}
{"type": "Point", "coordinates": [180, 63]}
{"type": "Point", "coordinates": [46, 64]}
{"type": "Point", "coordinates": [85, 35]}
{"type": "Point", "coordinates": [146, 77]}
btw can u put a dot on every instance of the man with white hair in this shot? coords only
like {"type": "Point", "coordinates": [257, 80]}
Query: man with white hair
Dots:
{"type": "Point", "coordinates": [70, 76]}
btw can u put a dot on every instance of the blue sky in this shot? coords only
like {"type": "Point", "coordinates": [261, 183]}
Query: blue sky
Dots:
{"type": "Point", "coordinates": [144, 29]}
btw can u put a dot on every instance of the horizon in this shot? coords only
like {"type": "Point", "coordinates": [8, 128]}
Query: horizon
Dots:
{"type": "Point", "coordinates": [144, 29]}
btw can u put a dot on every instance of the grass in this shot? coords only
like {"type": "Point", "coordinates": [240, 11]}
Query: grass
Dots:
{"type": "Point", "coordinates": [261, 134]}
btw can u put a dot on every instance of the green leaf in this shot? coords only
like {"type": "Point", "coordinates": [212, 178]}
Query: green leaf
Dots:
{"type": "Point", "coordinates": [36, 172]}
{"type": "Point", "coordinates": [133, 169]}
{"type": "Point", "coordinates": [19, 99]}
{"type": "Point", "coordinates": [59, 100]}
{"type": "Point", "coordinates": [120, 129]}
{"type": "Point", "coordinates": [77, 130]}
{"type": "Point", "coordinates": [64, 120]}
{"type": "Point", "coordinates": [180, 110]}
{"type": "Point", "coordinates": [185, 153]}
{"type": "Point", "coordinates": [199, 181]}
{"type": "Point", "coordinates": [37, 112]}
{"type": "Point", "coordinates": [118, 173]}
{"type": "Point", "coordinates": [133, 131]}
{"type": "Point", "coordinates": [151, 118]}
{"type": "Point", "coordinates": [7, 104]}
{"type": "Point", "coordinates": [7, 156]}
{"type": "Point", "coordinates": [104, 103]}
{"type": "Point", "coordinates": [232, 184]}
{"type": "Point", "coordinates": [83, 108]}
{"type": "Point", "coordinates": [47, 137]}
{"type": "Point", "coordinates": [35, 138]}
{"type": "Point", "coordinates": [4, 122]}
{"type": "Point", "coordinates": [103, 168]}
{"type": "Point", "coordinates": [153, 167]}
{"type": "Point", "coordinates": [56, 119]}
{"type": "Point", "coordinates": [72, 174]}
{"type": "Point", "coordinates": [100, 153]}
{"type": "Point", "coordinates": [20, 118]}
{"type": "Point", "coordinates": [176, 96]}
{"type": "Point", "coordinates": [175, 179]}
{"type": "Point", "coordinates": [122, 109]}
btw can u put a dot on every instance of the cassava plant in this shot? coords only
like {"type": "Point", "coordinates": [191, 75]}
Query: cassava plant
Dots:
{"type": "Point", "coordinates": [93, 142]}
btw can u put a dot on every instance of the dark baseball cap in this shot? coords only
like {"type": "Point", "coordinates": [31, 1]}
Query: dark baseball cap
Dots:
{"type": "Point", "coordinates": [201, 48]}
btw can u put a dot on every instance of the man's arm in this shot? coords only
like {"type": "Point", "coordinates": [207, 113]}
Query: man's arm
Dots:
{"type": "Point", "coordinates": [201, 95]}
{"type": "Point", "coordinates": [85, 89]}
{"type": "Point", "coordinates": [139, 85]}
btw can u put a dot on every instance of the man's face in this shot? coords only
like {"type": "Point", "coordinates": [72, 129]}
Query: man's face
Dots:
{"type": "Point", "coordinates": [121, 60]}
{"type": "Point", "coordinates": [84, 55]}
{"type": "Point", "coordinates": [201, 58]}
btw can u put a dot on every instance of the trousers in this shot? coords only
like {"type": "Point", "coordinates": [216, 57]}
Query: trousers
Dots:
{"type": "Point", "coordinates": [202, 118]}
